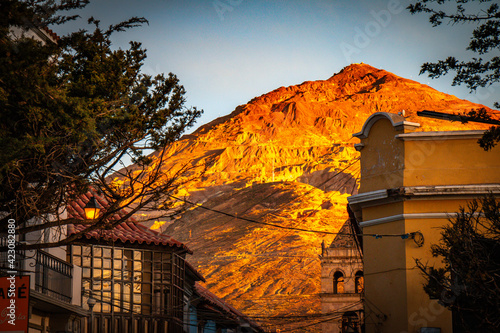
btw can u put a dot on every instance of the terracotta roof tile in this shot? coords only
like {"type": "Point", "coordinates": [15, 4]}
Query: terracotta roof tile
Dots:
{"type": "Point", "coordinates": [51, 33]}
{"type": "Point", "coordinates": [129, 231]}
{"type": "Point", "coordinates": [195, 272]}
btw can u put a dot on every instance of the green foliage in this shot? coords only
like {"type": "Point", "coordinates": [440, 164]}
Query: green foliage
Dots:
{"type": "Point", "coordinates": [73, 107]}
{"type": "Point", "coordinates": [468, 284]}
{"type": "Point", "coordinates": [480, 71]}
{"type": "Point", "coordinates": [491, 136]}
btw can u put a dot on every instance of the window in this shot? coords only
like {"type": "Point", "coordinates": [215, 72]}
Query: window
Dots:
{"type": "Point", "coordinates": [359, 282]}
{"type": "Point", "coordinates": [338, 283]}
{"type": "Point", "coordinates": [145, 282]}
{"type": "Point", "coordinates": [350, 322]}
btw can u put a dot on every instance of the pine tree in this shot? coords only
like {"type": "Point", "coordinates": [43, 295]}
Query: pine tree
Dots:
{"type": "Point", "coordinates": [480, 71]}
{"type": "Point", "coordinates": [71, 109]}
{"type": "Point", "coordinates": [468, 284]}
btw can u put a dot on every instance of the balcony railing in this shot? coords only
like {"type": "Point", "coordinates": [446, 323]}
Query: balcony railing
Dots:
{"type": "Point", "coordinates": [53, 276]}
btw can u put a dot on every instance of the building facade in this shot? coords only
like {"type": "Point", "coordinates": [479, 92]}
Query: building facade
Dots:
{"type": "Point", "coordinates": [411, 184]}
{"type": "Point", "coordinates": [127, 279]}
{"type": "Point", "coordinates": [136, 280]}
{"type": "Point", "coordinates": [123, 279]}
{"type": "Point", "coordinates": [342, 282]}
{"type": "Point", "coordinates": [54, 290]}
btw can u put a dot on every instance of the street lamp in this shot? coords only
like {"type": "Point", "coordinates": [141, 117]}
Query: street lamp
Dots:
{"type": "Point", "coordinates": [92, 209]}
{"type": "Point", "coordinates": [91, 302]}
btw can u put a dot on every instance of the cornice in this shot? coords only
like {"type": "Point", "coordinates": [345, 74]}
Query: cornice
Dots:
{"type": "Point", "coordinates": [406, 192]}
{"type": "Point", "coordinates": [379, 197]}
{"type": "Point", "coordinates": [399, 217]}
{"type": "Point", "coordinates": [469, 189]}
{"type": "Point", "coordinates": [440, 135]}
{"type": "Point", "coordinates": [368, 196]}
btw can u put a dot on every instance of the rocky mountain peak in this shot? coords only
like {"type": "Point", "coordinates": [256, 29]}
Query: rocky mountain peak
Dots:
{"type": "Point", "coordinates": [285, 158]}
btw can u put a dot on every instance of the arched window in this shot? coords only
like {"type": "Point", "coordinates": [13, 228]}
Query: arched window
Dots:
{"type": "Point", "coordinates": [338, 283]}
{"type": "Point", "coordinates": [359, 282]}
{"type": "Point", "coordinates": [350, 322]}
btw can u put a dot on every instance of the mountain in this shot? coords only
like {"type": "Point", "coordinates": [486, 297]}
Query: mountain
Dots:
{"type": "Point", "coordinates": [285, 158]}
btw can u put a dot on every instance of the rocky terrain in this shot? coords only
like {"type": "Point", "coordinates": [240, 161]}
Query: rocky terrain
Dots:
{"type": "Point", "coordinates": [285, 158]}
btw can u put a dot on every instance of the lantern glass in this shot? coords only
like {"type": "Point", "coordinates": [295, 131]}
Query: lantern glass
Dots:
{"type": "Point", "coordinates": [92, 209]}
{"type": "Point", "coordinates": [91, 213]}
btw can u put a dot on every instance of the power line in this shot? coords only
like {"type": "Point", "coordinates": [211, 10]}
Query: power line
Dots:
{"type": "Point", "coordinates": [317, 187]}
{"type": "Point", "coordinates": [311, 315]}
{"type": "Point", "coordinates": [403, 236]}
{"type": "Point", "coordinates": [130, 311]}
{"type": "Point", "coordinates": [322, 318]}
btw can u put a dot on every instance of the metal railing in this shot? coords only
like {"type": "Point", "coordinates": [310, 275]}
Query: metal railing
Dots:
{"type": "Point", "coordinates": [53, 276]}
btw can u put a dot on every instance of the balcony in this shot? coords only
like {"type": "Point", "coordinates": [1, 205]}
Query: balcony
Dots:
{"type": "Point", "coordinates": [53, 276]}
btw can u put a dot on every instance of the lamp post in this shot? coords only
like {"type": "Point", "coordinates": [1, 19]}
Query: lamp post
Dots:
{"type": "Point", "coordinates": [92, 209]}
{"type": "Point", "coordinates": [91, 302]}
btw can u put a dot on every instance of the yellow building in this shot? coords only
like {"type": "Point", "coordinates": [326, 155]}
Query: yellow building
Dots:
{"type": "Point", "coordinates": [411, 183]}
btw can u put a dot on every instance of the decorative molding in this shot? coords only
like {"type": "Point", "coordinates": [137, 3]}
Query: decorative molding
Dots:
{"type": "Point", "coordinates": [411, 216]}
{"type": "Point", "coordinates": [440, 135]}
{"type": "Point", "coordinates": [417, 192]}
{"type": "Point", "coordinates": [368, 196]}
{"type": "Point", "coordinates": [398, 122]}
{"type": "Point", "coordinates": [423, 191]}
{"type": "Point", "coordinates": [470, 189]}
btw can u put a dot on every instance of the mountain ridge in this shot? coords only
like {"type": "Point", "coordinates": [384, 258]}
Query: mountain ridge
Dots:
{"type": "Point", "coordinates": [287, 158]}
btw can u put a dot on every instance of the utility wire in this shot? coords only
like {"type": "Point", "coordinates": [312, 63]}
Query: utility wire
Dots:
{"type": "Point", "coordinates": [130, 311]}
{"type": "Point", "coordinates": [310, 315]}
{"type": "Point", "coordinates": [298, 222]}
{"type": "Point", "coordinates": [326, 318]}
{"type": "Point", "coordinates": [337, 173]}
{"type": "Point", "coordinates": [403, 236]}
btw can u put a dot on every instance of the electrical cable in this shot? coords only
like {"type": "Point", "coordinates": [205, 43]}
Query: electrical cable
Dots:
{"type": "Point", "coordinates": [285, 227]}
{"type": "Point", "coordinates": [335, 315]}
{"type": "Point", "coordinates": [296, 199]}
{"type": "Point", "coordinates": [351, 233]}
{"type": "Point", "coordinates": [311, 315]}
{"type": "Point", "coordinates": [303, 218]}
{"type": "Point", "coordinates": [109, 301]}
{"type": "Point", "coordinates": [404, 236]}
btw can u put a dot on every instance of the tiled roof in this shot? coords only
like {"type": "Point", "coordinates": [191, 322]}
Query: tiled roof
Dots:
{"type": "Point", "coordinates": [345, 238]}
{"type": "Point", "coordinates": [128, 232]}
{"type": "Point", "coordinates": [51, 33]}
{"type": "Point", "coordinates": [197, 275]}
{"type": "Point", "coordinates": [217, 305]}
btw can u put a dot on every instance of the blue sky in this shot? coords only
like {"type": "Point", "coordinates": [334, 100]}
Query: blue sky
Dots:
{"type": "Point", "coordinates": [225, 52]}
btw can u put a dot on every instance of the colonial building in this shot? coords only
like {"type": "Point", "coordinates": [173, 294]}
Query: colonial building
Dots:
{"type": "Point", "coordinates": [126, 279]}
{"type": "Point", "coordinates": [411, 184]}
{"type": "Point", "coordinates": [342, 281]}
{"type": "Point", "coordinates": [54, 291]}
{"type": "Point", "coordinates": [137, 280]}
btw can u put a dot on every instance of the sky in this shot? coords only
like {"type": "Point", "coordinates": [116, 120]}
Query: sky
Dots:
{"type": "Point", "coordinates": [226, 52]}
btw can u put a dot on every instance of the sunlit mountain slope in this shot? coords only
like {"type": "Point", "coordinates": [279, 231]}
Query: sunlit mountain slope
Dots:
{"type": "Point", "coordinates": [285, 158]}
